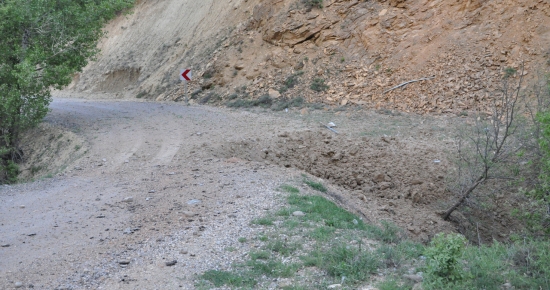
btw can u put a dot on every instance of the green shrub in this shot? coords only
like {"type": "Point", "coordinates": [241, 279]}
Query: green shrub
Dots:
{"type": "Point", "coordinates": [442, 259]}
{"type": "Point", "coordinates": [309, 4]}
{"type": "Point", "coordinates": [292, 103]}
{"type": "Point", "coordinates": [318, 85]}
{"type": "Point", "coordinates": [10, 171]}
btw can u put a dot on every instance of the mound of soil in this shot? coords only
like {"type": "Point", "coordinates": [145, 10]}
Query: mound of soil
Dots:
{"type": "Point", "coordinates": [405, 180]}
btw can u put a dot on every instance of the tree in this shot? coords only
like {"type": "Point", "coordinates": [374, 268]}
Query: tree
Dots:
{"type": "Point", "coordinates": [490, 151]}
{"type": "Point", "coordinates": [43, 43]}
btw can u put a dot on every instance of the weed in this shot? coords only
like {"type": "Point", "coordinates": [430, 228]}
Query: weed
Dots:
{"type": "Point", "coordinates": [289, 188]}
{"type": "Point", "coordinates": [232, 97]}
{"type": "Point", "coordinates": [377, 67]}
{"type": "Point", "coordinates": [35, 169]}
{"type": "Point", "coordinates": [318, 85]}
{"type": "Point", "coordinates": [315, 185]}
{"type": "Point", "coordinates": [310, 4]}
{"type": "Point", "coordinates": [343, 59]}
{"type": "Point", "coordinates": [442, 259]}
{"type": "Point", "coordinates": [261, 255]}
{"type": "Point", "coordinates": [77, 147]}
{"type": "Point", "coordinates": [509, 71]}
{"type": "Point", "coordinates": [242, 240]}
{"type": "Point", "coordinates": [273, 268]}
{"type": "Point", "coordinates": [265, 221]}
{"type": "Point", "coordinates": [141, 94]}
{"type": "Point", "coordinates": [322, 234]}
{"type": "Point", "coordinates": [10, 170]}
{"type": "Point", "coordinates": [320, 209]}
{"type": "Point", "coordinates": [346, 261]}
{"type": "Point", "coordinates": [296, 102]}
{"type": "Point", "coordinates": [317, 106]}
{"type": "Point", "coordinates": [282, 247]}
{"type": "Point", "coordinates": [392, 284]}
{"type": "Point", "coordinates": [230, 249]}
{"type": "Point", "coordinates": [220, 278]}
{"type": "Point", "coordinates": [388, 233]}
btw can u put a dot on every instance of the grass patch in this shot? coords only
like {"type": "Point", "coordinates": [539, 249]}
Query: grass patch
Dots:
{"type": "Point", "coordinates": [264, 221]}
{"type": "Point", "coordinates": [315, 185]}
{"type": "Point", "coordinates": [221, 278]}
{"type": "Point", "coordinates": [327, 237]}
{"type": "Point", "coordinates": [388, 233]}
{"type": "Point", "coordinates": [289, 189]}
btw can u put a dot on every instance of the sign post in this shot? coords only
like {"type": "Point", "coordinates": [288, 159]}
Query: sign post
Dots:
{"type": "Point", "coordinates": [185, 76]}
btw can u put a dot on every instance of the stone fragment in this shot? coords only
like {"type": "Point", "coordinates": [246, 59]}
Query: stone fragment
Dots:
{"type": "Point", "coordinates": [274, 94]}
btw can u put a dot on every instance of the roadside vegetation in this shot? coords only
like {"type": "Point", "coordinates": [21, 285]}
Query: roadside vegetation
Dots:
{"type": "Point", "coordinates": [44, 42]}
{"type": "Point", "coordinates": [311, 243]}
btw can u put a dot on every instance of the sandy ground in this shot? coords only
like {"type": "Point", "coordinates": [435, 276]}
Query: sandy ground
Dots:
{"type": "Point", "coordinates": [165, 182]}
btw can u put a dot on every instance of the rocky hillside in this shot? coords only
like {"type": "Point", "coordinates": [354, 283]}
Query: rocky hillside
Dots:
{"type": "Point", "coordinates": [347, 53]}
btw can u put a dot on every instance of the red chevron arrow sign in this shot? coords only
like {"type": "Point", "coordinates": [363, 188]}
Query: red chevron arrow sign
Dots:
{"type": "Point", "coordinates": [185, 74]}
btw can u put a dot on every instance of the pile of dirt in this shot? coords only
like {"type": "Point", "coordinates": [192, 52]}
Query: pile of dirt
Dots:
{"type": "Point", "coordinates": [405, 178]}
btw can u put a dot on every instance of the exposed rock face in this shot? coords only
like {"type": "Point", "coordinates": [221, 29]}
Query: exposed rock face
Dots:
{"type": "Point", "coordinates": [360, 49]}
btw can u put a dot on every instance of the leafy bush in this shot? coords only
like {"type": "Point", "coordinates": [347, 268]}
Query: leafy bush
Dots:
{"type": "Point", "coordinates": [44, 43]}
{"type": "Point", "coordinates": [442, 259]}
{"type": "Point", "coordinates": [10, 171]}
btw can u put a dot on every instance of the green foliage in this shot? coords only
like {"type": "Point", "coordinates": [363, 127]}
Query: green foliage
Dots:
{"type": "Point", "coordinates": [290, 103]}
{"type": "Point", "coordinates": [392, 284]}
{"type": "Point", "coordinates": [524, 264]}
{"type": "Point", "coordinates": [388, 233]}
{"type": "Point", "coordinates": [44, 42]}
{"type": "Point", "coordinates": [509, 71]}
{"type": "Point", "coordinates": [9, 171]}
{"type": "Point", "coordinates": [289, 188]}
{"type": "Point", "coordinates": [313, 3]}
{"type": "Point", "coordinates": [221, 278]}
{"type": "Point", "coordinates": [354, 263]}
{"type": "Point", "coordinates": [315, 185]}
{"type": "Point", "coordinates": [319, 209]}
{"type": "Point", "coordinates": [442, 259]}
{"type": "Point", "coordinates": [291, 81]}
{"type": "Point", "coordinates": [264, 221]}
{"type": "Point", "coordinates": [540, 216]}
{"type": "Point", "coordinates": [318, 85]}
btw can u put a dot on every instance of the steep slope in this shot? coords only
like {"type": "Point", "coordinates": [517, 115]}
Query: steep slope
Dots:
{"type": "Point", "coordinates": [360, 49]}
{"type": "Point", "coordinates": [145, 49]}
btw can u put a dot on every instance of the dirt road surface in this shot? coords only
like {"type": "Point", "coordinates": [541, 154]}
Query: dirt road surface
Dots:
{"type": "Point", "coordinates": [165, 182]}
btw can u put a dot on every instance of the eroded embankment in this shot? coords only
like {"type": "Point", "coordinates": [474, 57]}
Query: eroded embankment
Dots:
{"type": "Point", "coordinates": [400, 180]}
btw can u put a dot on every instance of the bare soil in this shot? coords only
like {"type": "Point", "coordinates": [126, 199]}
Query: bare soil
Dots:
{"type": "Point", "coordinates": [159, 182]}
